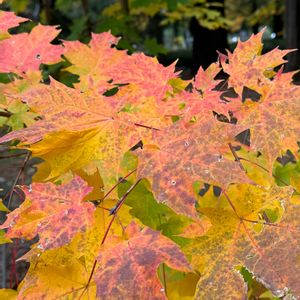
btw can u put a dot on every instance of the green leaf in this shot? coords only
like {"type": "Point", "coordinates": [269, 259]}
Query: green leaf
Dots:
{"type": "Point", "coordinates": [3, 239]}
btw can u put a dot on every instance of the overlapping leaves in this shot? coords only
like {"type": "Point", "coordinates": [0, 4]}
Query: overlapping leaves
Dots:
{"type": "Point", "coordinates": [190, 134]}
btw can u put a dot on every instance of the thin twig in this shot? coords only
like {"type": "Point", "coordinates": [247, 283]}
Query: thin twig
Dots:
{"type": "Point", "coordinates": [114, 212]}
{"type": "Point", "coordinates": [17, 178]}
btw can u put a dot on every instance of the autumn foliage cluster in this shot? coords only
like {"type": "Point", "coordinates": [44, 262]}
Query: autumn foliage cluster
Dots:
{"type": "Point", "coordinates": [152, 187]}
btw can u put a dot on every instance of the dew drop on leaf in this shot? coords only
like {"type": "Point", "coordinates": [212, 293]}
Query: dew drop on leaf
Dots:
{"type": "Point", "coordinates": [173, 182]}
{"type": "Point", "coordinates": [39, 246]}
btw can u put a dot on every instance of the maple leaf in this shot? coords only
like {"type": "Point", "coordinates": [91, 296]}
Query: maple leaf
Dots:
{"type": "Point", "coordinates": [273, 120]}
{"type": "Point", "coordinates": [102, 67]}
{"type": "Point", "coordinates": [238, 236]}
{"type": "Point", "coordinates": [133, 265]}
{"type": "Point", "coordinates": [247, 67]}
{"type": "Point", "coordinates": [205, 99]}
{"type": "Point", "coordinates": [64, 272]}
{"type": "Point", "coordinates": [54, 212]}
{"type": "Point", "coordinates": [16, 113]}
{"type": "Point", "coordinates": [187, 153]}
{"type": "Point", "coordinates": [145, 72]}
{"type": "Point", "coordinates": [159, 216]}
{"type": "Point", "coordinates": [25, 52]}
{"type": "Point", "coordinates": [78, 128]}
{"type": "Point", "coordinates": [205, 80]}
{"type": "Point", "coordinates": [9, 20]}
{"type": "Point", "coordinates": [56, 274]}
{"type": "Point", "coordinates": [96, 62]}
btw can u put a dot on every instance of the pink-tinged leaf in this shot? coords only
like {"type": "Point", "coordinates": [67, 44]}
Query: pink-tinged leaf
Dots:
{"type": "Point", "coordinates": [55, 212]}
{"type": "Point", "coordinates": [71, 118]}
{"type": "Point", "coordinates": [147, 74]}
{"type": "Point", "coordinates": [128, 269]}
{"type": "Point", "coordinates": [203, 106]}
{"type": "Point", "coordinates": [9, 20]}
{"type": "Point", "coordinates": [247, 67]}
{"type": "Point", "coordinates": [96, 62]}
{"type": "Point", "coordinates": [25, 52]}
{"type": "Point", "coordinates": [184, 154]}
{"type": "Point", "coordinates": [274, 120]}
{"type": "Point", "coordinates": [272, 255]}
{"type": "Point", "coordinates": [205, 80]}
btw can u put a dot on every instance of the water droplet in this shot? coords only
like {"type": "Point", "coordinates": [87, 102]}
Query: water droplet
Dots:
{"type": "Point", "coordinates": [38, 56]}
{"type": "Point", "coordinates": [30, 188]}
{"type": "Point", "coordinates": [39, 246]}
{"type": "Point", "coordinates": [281, 293]}
{"type": "Point", "coordinates": [39, 254]}
{"type": "Point", "coordinates": [186, 143]}
{"type": "Point", "coordinates": [220, 157]}
{"type": "Point", "coordinates": [173, 182]}
{"type": "Point", "coordinates": [102, 189]}
{"type": "Point", "coordinates": [162, 290]}
{"type": "Point", "coordinates": [39, 224]}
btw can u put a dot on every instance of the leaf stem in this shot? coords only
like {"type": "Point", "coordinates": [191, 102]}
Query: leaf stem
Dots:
{"type": "Point", "coordinates": [114, 212]}
{"type": "Point", "coordinates": [116, 185]}
{"type": "Point", "coordinates": [231, 204]}
{"type": "Point", "coordinates": [164, 278]}
{"type": "Point", "coordinates": [145, 126]}
{"type": "Point", "coordinates": [236, 157]}
{"type": "Point", "coordinates": [265, 169]}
